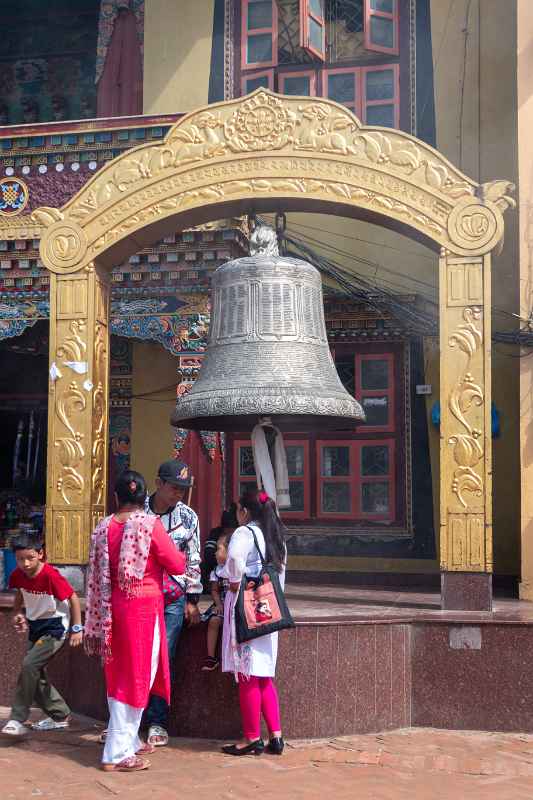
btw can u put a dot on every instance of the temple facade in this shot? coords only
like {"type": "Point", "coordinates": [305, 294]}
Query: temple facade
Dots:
{"type": "Point", "coordinates": [364, 504]}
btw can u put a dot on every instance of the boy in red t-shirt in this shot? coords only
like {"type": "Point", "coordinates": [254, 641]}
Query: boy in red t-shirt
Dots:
{"type": "Point", "coordinates": [49, 602]}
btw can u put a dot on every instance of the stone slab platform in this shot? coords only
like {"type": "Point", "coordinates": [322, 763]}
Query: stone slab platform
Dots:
{"type": "Point", "coordinates": [359, 660]}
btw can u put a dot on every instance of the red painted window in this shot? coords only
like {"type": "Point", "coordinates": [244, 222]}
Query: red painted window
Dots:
{"type": "Point", "coordinates": [381, 26]}
{"type": "Point", "coordinates": [372, 93]}
{"type": "Point", "coordinates": [301, 83]}
{"type": "Point", "coordinates": [259, 34]}
{"type": "Point", "coordinates": [374, 388]}
{"type": "Point", "coordinates": [356, 479]}
{"type": "Point", "coordinates": [256, 80]}
{"type": "Point", "coordinates": [313, 28]}
{"type": "Point", "coordinates": [376, 479]}
{"type": "Point", "coordinates": [344, 86]}
{"type": "Point", "coordinates": [297, 467]}
{"type": "Point", "coordinates": [381, 95]}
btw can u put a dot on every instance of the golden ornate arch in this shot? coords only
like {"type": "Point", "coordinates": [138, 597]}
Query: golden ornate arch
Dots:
{"type": "Point", "coordinates": [266, 152]}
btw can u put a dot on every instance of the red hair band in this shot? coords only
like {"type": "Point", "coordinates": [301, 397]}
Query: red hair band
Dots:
{"type": "Point", "coordinates": [263, 497]}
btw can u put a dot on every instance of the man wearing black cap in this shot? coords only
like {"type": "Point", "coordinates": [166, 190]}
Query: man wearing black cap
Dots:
{"type": "Point", "coordinates": [182, 592]}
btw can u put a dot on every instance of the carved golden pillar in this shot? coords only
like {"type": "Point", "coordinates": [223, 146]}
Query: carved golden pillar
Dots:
{"type": "Point", "coordinates": [77, 412]}
{"type": "Point", "coordinates": [465, 433]}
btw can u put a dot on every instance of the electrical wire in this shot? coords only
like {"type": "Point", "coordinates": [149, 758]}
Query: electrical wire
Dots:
{"type": "Point", "coordinates": [367, 262]}
{"type": "Point", "coordinates": [463, 81]}
{"type": "Point", "coordinates": [437, 59]}
{"type": "Point", "coordinates": [352, 257]}
{"type": "Point", "coordinates": [365, 241]}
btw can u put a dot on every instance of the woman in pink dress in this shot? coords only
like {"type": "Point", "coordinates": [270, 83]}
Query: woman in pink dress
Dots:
{"type": "Point", "coordinates": [124, 623]}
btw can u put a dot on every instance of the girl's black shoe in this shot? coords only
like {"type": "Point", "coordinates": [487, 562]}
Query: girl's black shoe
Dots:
{"type": "Point", "coordinates": [275, 746]}
{"type": "Point", "coordinates": [256, 748]}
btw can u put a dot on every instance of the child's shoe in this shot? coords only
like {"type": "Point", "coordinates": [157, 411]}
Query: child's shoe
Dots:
{"type": "Point", "coordinates": [15, 729]}
{"type": "Point", "coordinates": [49, 724]}
{"type": "Point", "coordinates": [210, 664]}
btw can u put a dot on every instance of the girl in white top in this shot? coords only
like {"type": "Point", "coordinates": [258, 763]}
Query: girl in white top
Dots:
{"type": "Point", "coordinates": [253, 662]}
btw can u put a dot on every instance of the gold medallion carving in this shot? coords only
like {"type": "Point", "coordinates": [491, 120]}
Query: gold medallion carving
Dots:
{"type": "Point", "coordinates": [475, 227]}
{"type": "Point", "coordinates": [262, 122]}
{"type": "Point", "coordinates": [63, 246]}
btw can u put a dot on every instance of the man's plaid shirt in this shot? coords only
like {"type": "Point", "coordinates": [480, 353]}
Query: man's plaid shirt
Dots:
{"type": "Point", "coordinates": [181, 524]}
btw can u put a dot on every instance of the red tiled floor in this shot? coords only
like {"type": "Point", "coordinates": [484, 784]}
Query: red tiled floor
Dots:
{"type": "Point", "coordinates": [410, 764]}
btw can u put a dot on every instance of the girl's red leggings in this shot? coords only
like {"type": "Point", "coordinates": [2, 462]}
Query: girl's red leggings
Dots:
{"type": "Point", "coordinates": [258, 696]}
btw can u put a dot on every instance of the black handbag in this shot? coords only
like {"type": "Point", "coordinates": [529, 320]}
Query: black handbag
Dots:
{"type": "Point", "coordinates": [261, 607]}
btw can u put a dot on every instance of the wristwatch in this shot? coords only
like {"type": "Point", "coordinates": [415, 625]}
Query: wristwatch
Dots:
{"type": "Point", "coordinates": [76, 628]}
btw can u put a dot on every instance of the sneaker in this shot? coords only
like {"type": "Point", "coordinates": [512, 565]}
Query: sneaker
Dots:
{"type": "Point", "coordinates": [15, 728]}
{"type": "Point", "coordinates": [49, 724]}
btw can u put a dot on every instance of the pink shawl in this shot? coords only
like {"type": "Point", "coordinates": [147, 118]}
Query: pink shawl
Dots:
{"type": "Point", "coordinates": [134, 550]}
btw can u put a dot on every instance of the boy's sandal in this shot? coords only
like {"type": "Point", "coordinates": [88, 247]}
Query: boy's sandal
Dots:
{"type": "Point", "coordinates": [210, 664]}
{"type": "Point", "coordinates": [145, 749]}
{"type": "Point", "coordinates": [131, 764]}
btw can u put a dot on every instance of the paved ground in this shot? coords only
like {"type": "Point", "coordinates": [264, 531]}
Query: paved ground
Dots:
{"type": "Point", "coordinates": [425, 764]}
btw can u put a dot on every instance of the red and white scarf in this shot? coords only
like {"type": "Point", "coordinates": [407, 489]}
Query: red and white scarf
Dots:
{"type": "Point", "coordinates": [134, 550]}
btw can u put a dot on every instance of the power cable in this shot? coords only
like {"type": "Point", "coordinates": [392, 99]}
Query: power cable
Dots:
{"type": "Point", "coordinates": [437, 59]}
{"type": "Point", "coordinates": [365, 241]}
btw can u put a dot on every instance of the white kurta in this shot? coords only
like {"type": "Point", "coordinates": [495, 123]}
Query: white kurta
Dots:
{"type": "Point", "coordinates": [242, 559]}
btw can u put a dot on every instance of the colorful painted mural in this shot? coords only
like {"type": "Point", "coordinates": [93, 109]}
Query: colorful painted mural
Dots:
{"type": "Point", "coordinates": [47, 70]}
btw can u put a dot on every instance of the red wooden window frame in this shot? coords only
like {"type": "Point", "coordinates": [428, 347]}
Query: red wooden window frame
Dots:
{"type": "Point", "coordinates": [268, 73]}
{"type": "Point", "coordinates": [361, 103]}
{"type": "Point", "coordinates": [356, 480]}
{"type": "Point", "coordinates": [390, 479]}
{"type": "Point", "coordinates": [361, 393]}
{"type": "Point", "coordinates": [356, 72]}
{"type": "Point", "coordinates": [307, 14]}
{"type": "Point", "coordinates": [395, 100]}
{"type": "Point", "coordinates": [238, 478]}
{"type": "Point", "coordinates": [246, 33]}
{"type": "Point", "coordinates": [307, 73]}
{"type": "Point", "coordinates": [324, 479]}
{"type": "Point", "coordinates": [371, 13]}
{"type": "Point", "coordinates": [305, 479]}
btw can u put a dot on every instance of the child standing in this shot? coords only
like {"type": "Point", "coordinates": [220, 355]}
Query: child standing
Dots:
{"type": "Point", "coordinates": [49, 601]}
{"type": "Point", "coordinates": [214, 615]}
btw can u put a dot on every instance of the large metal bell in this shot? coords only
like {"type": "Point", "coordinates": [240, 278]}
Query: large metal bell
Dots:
{"type": "Point", "coordinates": [268, 354]}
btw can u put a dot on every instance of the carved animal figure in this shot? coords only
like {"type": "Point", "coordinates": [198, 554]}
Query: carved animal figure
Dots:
{"type": "Point", "coordinates": [323, 132]}
{"type": "Point", "coordinates": [200, 140]}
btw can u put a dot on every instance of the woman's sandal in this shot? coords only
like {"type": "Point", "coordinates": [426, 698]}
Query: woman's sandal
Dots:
{"type": "Point", "coordinates": [210, 664]}
{"type": "Point", "coordinates": [146, 749]}
{"type": "Point", "coordinates": [131, 764]}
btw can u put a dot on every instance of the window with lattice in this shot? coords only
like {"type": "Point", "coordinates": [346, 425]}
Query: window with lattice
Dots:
{"type": "Point", "coordinates": [346, 50]}
{"type": "Point", "coordinates": [345, 39]}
